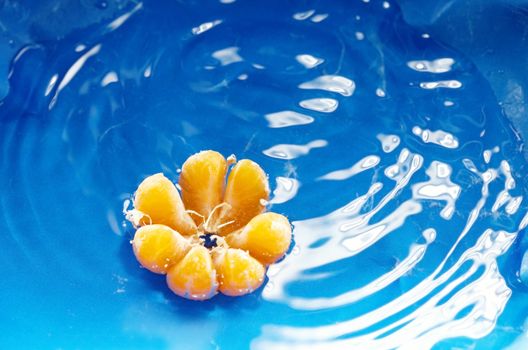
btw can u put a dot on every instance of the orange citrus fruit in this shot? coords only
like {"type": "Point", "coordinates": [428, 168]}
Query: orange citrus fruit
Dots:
{"type": "Point", "coordinates": [159, 201]}
{"type": "Point", "coordinates": [194, 277]}
{"type": "Point", "coordinates": [202, 182]}
{"type": "Point", "coordinates": [227, 241]}
{"type": "Point", "coordinates": [267, 237]}
{"type": "Point", "coordinates": [158, 247]}
{"type": "Point", "coordinates": [246, 193]}
{"type": "Point", "coordinates": [238, 272]}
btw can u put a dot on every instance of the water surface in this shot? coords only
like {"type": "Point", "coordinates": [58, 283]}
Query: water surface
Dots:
{"type": "Point", "coordinates": [386, 149]}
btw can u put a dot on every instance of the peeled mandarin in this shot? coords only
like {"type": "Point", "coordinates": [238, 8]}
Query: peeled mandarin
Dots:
{"type": "Point", "coordinates": [194, 277]}
{"type": "Point", "coordinates": [159, 200]}
{"type": "Point", "coordinates": [267, 237]}
{"type": "Point", "coordinates": [202, 182]}
{"type": "Point", "coordinates": [158, 247]}
{"type": "Point", "coordinates": [238, 272]}
{"type": "Point", "coordinates": [247, 188]}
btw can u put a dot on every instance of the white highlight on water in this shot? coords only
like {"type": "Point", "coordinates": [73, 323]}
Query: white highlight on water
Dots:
{"type": "Point", "coordinates": [439, 137]}
{"type": "Point", "coordinates": [487, 154]}
{"type": "Point", "coordinates": [319, 17]}
{"type": "Point", "coordinates": [309, 61]}
{"type": "Point", "coordinates": [110, 77]}
{"type": "Point", "coordinates": [324, 105]}
{"type": "Point", "coordinates": [431, 322]}
{"type": "Point", "coordinates": [332, 83]}
{"type": "Point", "coordinates": [348, 232]}
{"type": "Point", "coordinates": [405, 161]}
{"type": "Point", "coordinates": [441, 65]}
{"type": "Point", "coordinates": [51, 84]}
{"type": "Point", "coordinates": [73, 70]}
{"type": "Point", "coordinates": [388, 142]}
{"type": "Point", "coordinates": [463, 296]}
{"type": "Point", "coordinates": [284, 119]}
{"type": "Point", "coordinates": [228, 55]}
{"type": "Point", "coordinates": [449, 84]}
{"type": "Point", "coordinates": [504, 197]}
{"type": "Point", "coordinates": [148, 71]}
{"type": "Point", "coordinates": [380, 92]}
{"type": "Point", "coordinates": [439, 187]}
{"type": "Point", "coordinates": [285, 189]}
{"type": "Point", "coordinates": [287, 151]}
{"type": "Point", "coordinates": [202, 28]}
{"type": "Point", "coordinates": [362, 165]}
{"type": "Point", "coordinates": [301, 16]}
{"type": "Point", "coordinates": [119, 21]}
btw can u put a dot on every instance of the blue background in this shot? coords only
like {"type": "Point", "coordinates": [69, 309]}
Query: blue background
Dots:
{"type": "Point", "coordinates": [68, 278]}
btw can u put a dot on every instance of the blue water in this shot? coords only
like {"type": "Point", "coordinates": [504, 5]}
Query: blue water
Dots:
{"type": "Point", "coordinates": [385, 147]}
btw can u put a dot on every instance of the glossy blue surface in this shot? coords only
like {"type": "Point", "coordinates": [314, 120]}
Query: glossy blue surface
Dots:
{"type": "Point", "coordinates": [101, 94]}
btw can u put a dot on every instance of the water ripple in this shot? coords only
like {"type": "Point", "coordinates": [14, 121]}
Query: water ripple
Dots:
{"type": "Point", "coordinates": [406, 191]}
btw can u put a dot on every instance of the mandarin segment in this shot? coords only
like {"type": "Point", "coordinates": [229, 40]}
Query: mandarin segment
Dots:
{"type": "Point", "coordinates": [158, 247]}
{"type": "Point", "coordinates": [246, 192]}
{"type": "Point", "coordinates": [202, 182]}
{"type": "Point", "coordinates": [194, 277]}
{"type": "Point", "coordinates": [267, 237]}
{"type": "Point", "coordinates": [158, 199]}
{"type": "Point", "coordinates": [238, 272]}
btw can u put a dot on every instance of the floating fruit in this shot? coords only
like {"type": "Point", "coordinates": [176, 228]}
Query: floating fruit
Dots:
{"type": "Point", "coordinates": [216, 236]}
{"type": "Point", "coordinates": [158, 202]}
{"type": "Point", "coordinates": [194, 277]}
{"type": "Point", "coordinates": [246, 194]}
{"type": "Point", "coordinates": [158, 247]}
{"type": "Point", "coordinates": [267, 236]}
{"type": "Point", "coordinates": [202, 182]}
{"type": "Point", "coordinates": [238, 272]}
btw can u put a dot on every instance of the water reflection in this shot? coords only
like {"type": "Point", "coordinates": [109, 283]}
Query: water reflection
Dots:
{"type": "Point", "coordinates": [324, 105]}
{"type": "Point", "coordinates": [287, 118]}
{"type": "Point", "coordinates": [440, 65]}
{"type": "Point", "coordinates": [332, 83]}
{"type": "Point", "coordinates": [286, 151]}
{"type": "Point", "coordinates": [480, 292]}
{"type": "Point", "coordinates": [402, 178]}
{"type": "Point", "coordinates": [449, 84]}
{"type": "Point", "coordinates": [438, 137]}
{"type": "Point", "coordinates": [309, 61]}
